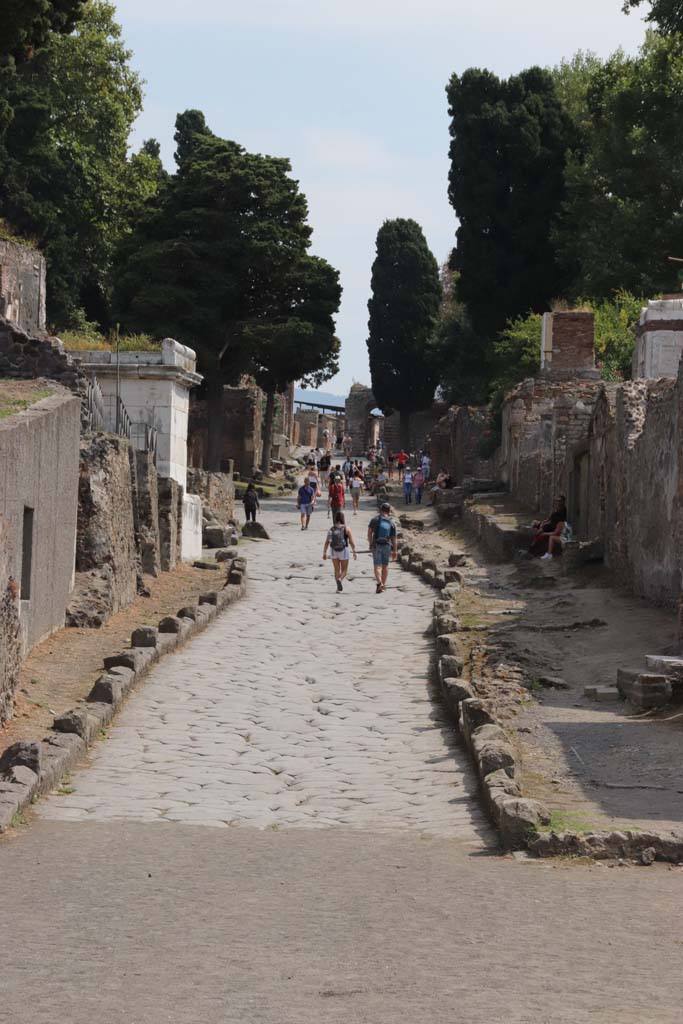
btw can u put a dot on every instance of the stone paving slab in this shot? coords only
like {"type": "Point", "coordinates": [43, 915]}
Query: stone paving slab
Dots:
{"type": "Point", "coordinates": [299, 707]}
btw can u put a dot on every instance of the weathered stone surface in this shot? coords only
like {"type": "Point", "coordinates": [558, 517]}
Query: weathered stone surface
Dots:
{"type": "Point", "coordinates": [447, 624]}
{"type": "Point", "coordinates": [188, 612]}
{"type": "Point", "coordinates": [92, 599]}
{"type": "Point", "coordinates": [211, 597]}
{"type": "Point", "coordinates": [255, 530]}
{"type": "Point", "coordinates": [23, 753]}
{"type": "Point", "coordinates": [644, 689]}
{"type": "Point", "coordinates": [74, 721]}
{"type": "Point", "coordinates": [20, 775]}
{"type": "Point", "coordinates": [144, 636]}
{"type": "Point", "coordinates": [206, 565]}
{"type": "Point", "coordinates": [227, 554]}
{"type": "Point", "coordinates": [456, 558]}
{"type": "Point", "coordinates": [107, 690]}
{"type": "Point", "coordinates": [10, 637]}
{"type": "Point", "coordinates": [518, 819]}
{"type": "Point", "coordinates": [235, 576]}
{"type": "Point", "coordinates": [452, 576]}
{"type": "Point", "coordinates": [498, 781]}
{"type": "Point", "coordinates": [215, 536]}
{"type": "Point", "coordinates": [136, 658]}
{"type": "Point", "coordinates": [455, 691]}
{"type": "Point", "coordinates": [492, 750]}
{"type": "Point", "coordinates": [450, 666]}
{"type": "Point", "coordinates": [147, 507]}
{"type": "Point", "coordinates": [170, 522]}
{"type": "Point", "coordinates": [448, 644]}
{"type": "Point", "coordinates": [475, 713]}
{"type": "Point", "coordinates": [171, 624]}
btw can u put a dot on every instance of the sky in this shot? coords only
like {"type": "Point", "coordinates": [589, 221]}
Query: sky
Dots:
{"type": "Point", "coordinates": [353, 92]}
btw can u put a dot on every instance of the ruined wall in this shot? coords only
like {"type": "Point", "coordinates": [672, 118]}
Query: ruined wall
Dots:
{"type": "Point", "coordinates": [307, 420]}
{"type": "Point", "coordinates": [38, 501]}
{"type": "Point", "coordinates": [542, 421]}
{"type": "Point", "coordinates": [456, 441]}
{"type": "Point", "coordinates": [10, 639]}
{"type": "Point", "coordinates": [170, 522]}
{"type": "Point", "coordinates": [23, 356]}
{"type": "Point", "coordinates": [147, 517]}
{"type": "Point", "coordinates": [568, 344]}
{"type": "Point", "coordinates": [359, 404]}
{"type": "Point", "coordinates": [421, 427]}
{"type": "Point", "coordinates": [22, 286]}
{"type": "Point", "coordinates": [217, 491]}
{"type": "Point", "coordinates": [107, 564]}
{"type": "Point", "coordinates": [242, 429]}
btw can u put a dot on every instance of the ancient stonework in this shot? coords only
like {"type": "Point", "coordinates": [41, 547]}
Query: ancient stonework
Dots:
{"type": "Point", "coordinates": [170, 522]}
{"type": "Point", "coordinates": [10, 640]}
{"type": "Point", "coordinates": [24, 356]}
{"type": "Point", "coordinates": [217, 491]}
{"type": "Point", "coordinates": [242, 423]}
{"type": "Point", "coordinates": [456, 443]}
{"type": "Point", "coordinates": [22, 286]}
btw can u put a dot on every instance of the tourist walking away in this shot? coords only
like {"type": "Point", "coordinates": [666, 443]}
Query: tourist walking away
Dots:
{"type": "Point", "coordinates": [251, 503]}
{"type": "Point", "coordinates": [426, 465]}
{"type": "Point", "coordinates": [401, 461]}
{"type": "Point", "coordinates": [340, 543]}
{"type": "Point", "coordinates": [356, 488]}
{"type": "Point", "coordinates": [347, 468]}
{"type": "Point", "coordinates": [383, 544]}
{"type": "Point", "coordinates": [418, 486]}
{"type": "Point", "coordinates": [391, 460]}
{"type": "Point", "coordinates": [336, 498]}
{"type": "Point", "coordinates": [408, 486]}
{"type": "Point", "coordinates": [305, 502]}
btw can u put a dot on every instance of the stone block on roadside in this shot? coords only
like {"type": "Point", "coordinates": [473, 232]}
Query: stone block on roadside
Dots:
{"type": "Point", "coordinates": [475, 714]}
{"type": "Point", "coordinates": [666, 666]}
{"type": "Point", "coordinates": [227, 554]}
{"type": "Point", "coordinates": [235, 576]}
{"type": "Point", "coordinates": [216, 536]}
{"type": "Point", "coordinates": [20, 775]}
{"type": "Point", "coordinates": [644, 689]}
{"type": "Point", "coordinates": [602, 694]}
{"type": "Point", "coordinates": [171, 624]}
{"type": "Point", "coordinates": [206, 565]}
{"type": "Point", "coordinates": [74, 721]}
{"type": "Point", "coordinates": [518, 819]}
{"type": "Point", "coordinates": [211, 597]}
{"type": "Point", "coordinates": [24, 753]}
{"type": "Point", "coordinates": [144, 636]}
{"type": "Point", "coordinates": [108, 689]}
{"type": "Point", "coordinates": [456, 558]}
{"type": "Point", "coordinates": [189, 612]}
{"type": "Point", "coordinates": [493, 750]}
{"type": "Point", "coordinates": [455, 691]}
{"type": "Point", "coordinates": [255, 531]}
{"type": "Point", "coordinates": [138, 659]}
{"type": "Point", "coordinates": [448, 643]}
{"type": "Point", "coordinates": [450, 666]}
{"type": "Point", "coordinates": [452, 576]}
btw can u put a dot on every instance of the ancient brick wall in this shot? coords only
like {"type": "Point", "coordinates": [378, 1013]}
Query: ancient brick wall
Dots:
{"type": "Point", "coordinates": [22, 286]}
{"type": "Point", "coordinates": [242, 430]}
{"type": "Point", "coordinates": [421, 426]}
{"type": "Point", "coordinates": [308, 422]}
{"type": "Point", "coordinates": [359, 404]}
{"type": "Point", "coordinates": [217, 491]}
{"type": "Point", "coordinates": [10, 640]}
{"type": "Point", "coordinates": [24, 356]}
{"type": "Point", "coordinates": [568, 342]}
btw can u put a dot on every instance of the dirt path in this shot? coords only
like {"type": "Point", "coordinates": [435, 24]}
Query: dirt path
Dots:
{"type": "Point", "coordinates": [539, 638]}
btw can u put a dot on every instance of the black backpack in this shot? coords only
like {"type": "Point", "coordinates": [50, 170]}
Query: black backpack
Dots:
{"type": "Point", "coordinates": [338, 539]}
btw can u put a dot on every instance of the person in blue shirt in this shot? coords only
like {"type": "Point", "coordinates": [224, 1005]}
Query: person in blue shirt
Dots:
{"type": "Point", "coordinates": [305, 502]}
{"type": "Point", "coordinates": [383, 543]}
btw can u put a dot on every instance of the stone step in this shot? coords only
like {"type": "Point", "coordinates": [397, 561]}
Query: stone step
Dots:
{"type": "Point", "coordinates": [602, 694]}
{"type": "Point", "coordinates": [644, 689]}
{"type": "Point", "coordinates": [667, 666]}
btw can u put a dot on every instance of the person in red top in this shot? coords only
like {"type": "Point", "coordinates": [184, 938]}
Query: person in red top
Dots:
{"type": "Point", "coordinates": [401, 460]}
{"type": "Point", "coordinates": [336, 499]}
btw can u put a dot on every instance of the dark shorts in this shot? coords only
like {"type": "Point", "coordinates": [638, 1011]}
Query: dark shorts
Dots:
{"type": "Point", "coordinates": [381, 554]}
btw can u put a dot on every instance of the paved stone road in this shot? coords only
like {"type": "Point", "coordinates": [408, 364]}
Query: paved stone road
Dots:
{"type": "Point", "coordinates": [299, 707]}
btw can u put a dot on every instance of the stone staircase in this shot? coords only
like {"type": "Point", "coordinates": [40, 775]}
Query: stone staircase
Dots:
{"type": "Point", "coordinates": [660, 683]}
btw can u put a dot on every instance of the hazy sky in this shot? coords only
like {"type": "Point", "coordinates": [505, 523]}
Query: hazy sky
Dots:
{"type": "Point", "coordinates": [352, 91]}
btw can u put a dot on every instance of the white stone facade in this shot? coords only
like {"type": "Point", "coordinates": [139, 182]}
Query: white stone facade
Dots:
{"type": "Point", "coordinates": [155, 390]}
{"type": "Point", "coordinates": [660, 339]}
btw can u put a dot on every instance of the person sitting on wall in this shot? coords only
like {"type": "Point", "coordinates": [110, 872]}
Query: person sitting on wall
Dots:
{"type": "Point", "coordinates": [546, 535]}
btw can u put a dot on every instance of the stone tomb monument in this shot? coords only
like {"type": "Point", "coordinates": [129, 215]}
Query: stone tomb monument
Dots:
{"type": "Point", "coordinates": [155, 390]}
{"type": "Point", "coordinates": [659, 339]}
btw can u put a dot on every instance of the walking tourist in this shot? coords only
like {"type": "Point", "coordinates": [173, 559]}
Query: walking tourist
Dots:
{"type": "Point", "coordinates": [251, 503]}
{"type": "Point", "coordinates": [401, 460]}
{"type": "Point", "coordinates": [336, 498]}
{"type": "Point", "coordinates": [418, 486]}
{"type": "Point", "coordinates": [383, 544]}
{"type": "Point", "coordinates": [408, 486]}
{"type": "Point", "coordinates": [356, 488]}
{"type": "Point", "coordinates": [305, 502]}
{"type": "Point", "coordinates": [339, 542]}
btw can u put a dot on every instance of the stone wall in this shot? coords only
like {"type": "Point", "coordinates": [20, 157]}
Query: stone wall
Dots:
{"type": "Point", "coordinates": [359, 404]}
{"type": "Point", "coordinates": [456, 441]}
{"type": "Point", "coordinates": [38, 501]}
{"type": "Point", "coordinates": [10, 639]}
{"type": "Point", "coordinates": [242, 429]}
{"type": "Point", "coordinates": [542, 421]}
{"type": "Point", "coordinates": [421, 427]}
{"type": "Point", "coordinates": [659, 339]}
{"type": "Point", "coordinates": [107, 564]}
{"type": "Point", "coordinates": [22, 286]}
{"type": "Point", "coordinates": [568, 344]}
{"type": "Point", "coordinates": [307, 420]}
{"type": "Point", "coordinates": [23, 356]}
{"type": "Point", "coordinates": [147, 517]}
{"type": "Point", "coordinates": [217, 491]}
{"type": "Point", "coordinates": [170, 522]}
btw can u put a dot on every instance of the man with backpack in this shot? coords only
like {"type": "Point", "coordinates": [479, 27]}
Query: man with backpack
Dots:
{"type": "Point", "coordinates": [383, 543]}
{"type": "Point", "coordinates": [339, 540]}
{"type": "Point", "coordinates": [336, 499]}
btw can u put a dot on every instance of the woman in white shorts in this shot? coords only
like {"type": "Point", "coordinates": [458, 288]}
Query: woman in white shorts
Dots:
{"type": "Point", "coordinates": [356, 484]}
{"type": "Point", "coordinates": [339, 542]}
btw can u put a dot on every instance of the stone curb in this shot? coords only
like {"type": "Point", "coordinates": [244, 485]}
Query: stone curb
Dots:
{"type": "Point", "coordinates": [30, 769]}
{"type": "Point", "coordinates": [516, 818]}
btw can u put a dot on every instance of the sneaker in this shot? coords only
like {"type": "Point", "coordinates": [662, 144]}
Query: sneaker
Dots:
{"type": "Point", "coordinates": [339, 586]}
{"type": "Point", "coordinates": [546, 557]}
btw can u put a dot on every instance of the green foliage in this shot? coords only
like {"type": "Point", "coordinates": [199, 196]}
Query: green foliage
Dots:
{"type": "Point", "coordinates": [622, 216]}
{"type": "Point", "coordinates": [464, 363]}
{"type": "Point", "coordinates": [27, 25]}
{"type": "Point", "coordinates": [506, 184]}
{"type": "Point", "coordinates": [666, 14]}
{"type": "Point", "coordinates": [64, 174]}
{"type": "Point", "coordinates": [406, 294]}
{"type": "Point", "coordinates": [517, 351]}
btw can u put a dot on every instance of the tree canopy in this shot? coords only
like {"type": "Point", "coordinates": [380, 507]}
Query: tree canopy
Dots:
{"type": "Point", "coordinates": [26, 25]}
{"type": "Point", "coordinates": [406, 293]}
{"type": "Point", "coordinates": [506, 184]}
{"type": "Point", "coordinates": [65, 178]}
{"type": "Point", "coordinates": [666, 14]}
{"type": "Point", "coordinates": [220, 261]}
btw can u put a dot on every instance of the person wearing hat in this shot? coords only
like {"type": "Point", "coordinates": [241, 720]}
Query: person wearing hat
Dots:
{"type": "Point", "coordinates": [383, 544]}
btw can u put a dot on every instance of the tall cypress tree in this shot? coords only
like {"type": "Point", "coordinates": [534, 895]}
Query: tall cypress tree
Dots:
{"type": "Point", "coordinates": [406, 294]}
{"type": "Point", "coordinates": [506, 184]}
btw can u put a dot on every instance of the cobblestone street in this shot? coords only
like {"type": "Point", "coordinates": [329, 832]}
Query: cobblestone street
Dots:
{"type": "Point", "coordinates": [299, 707]}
